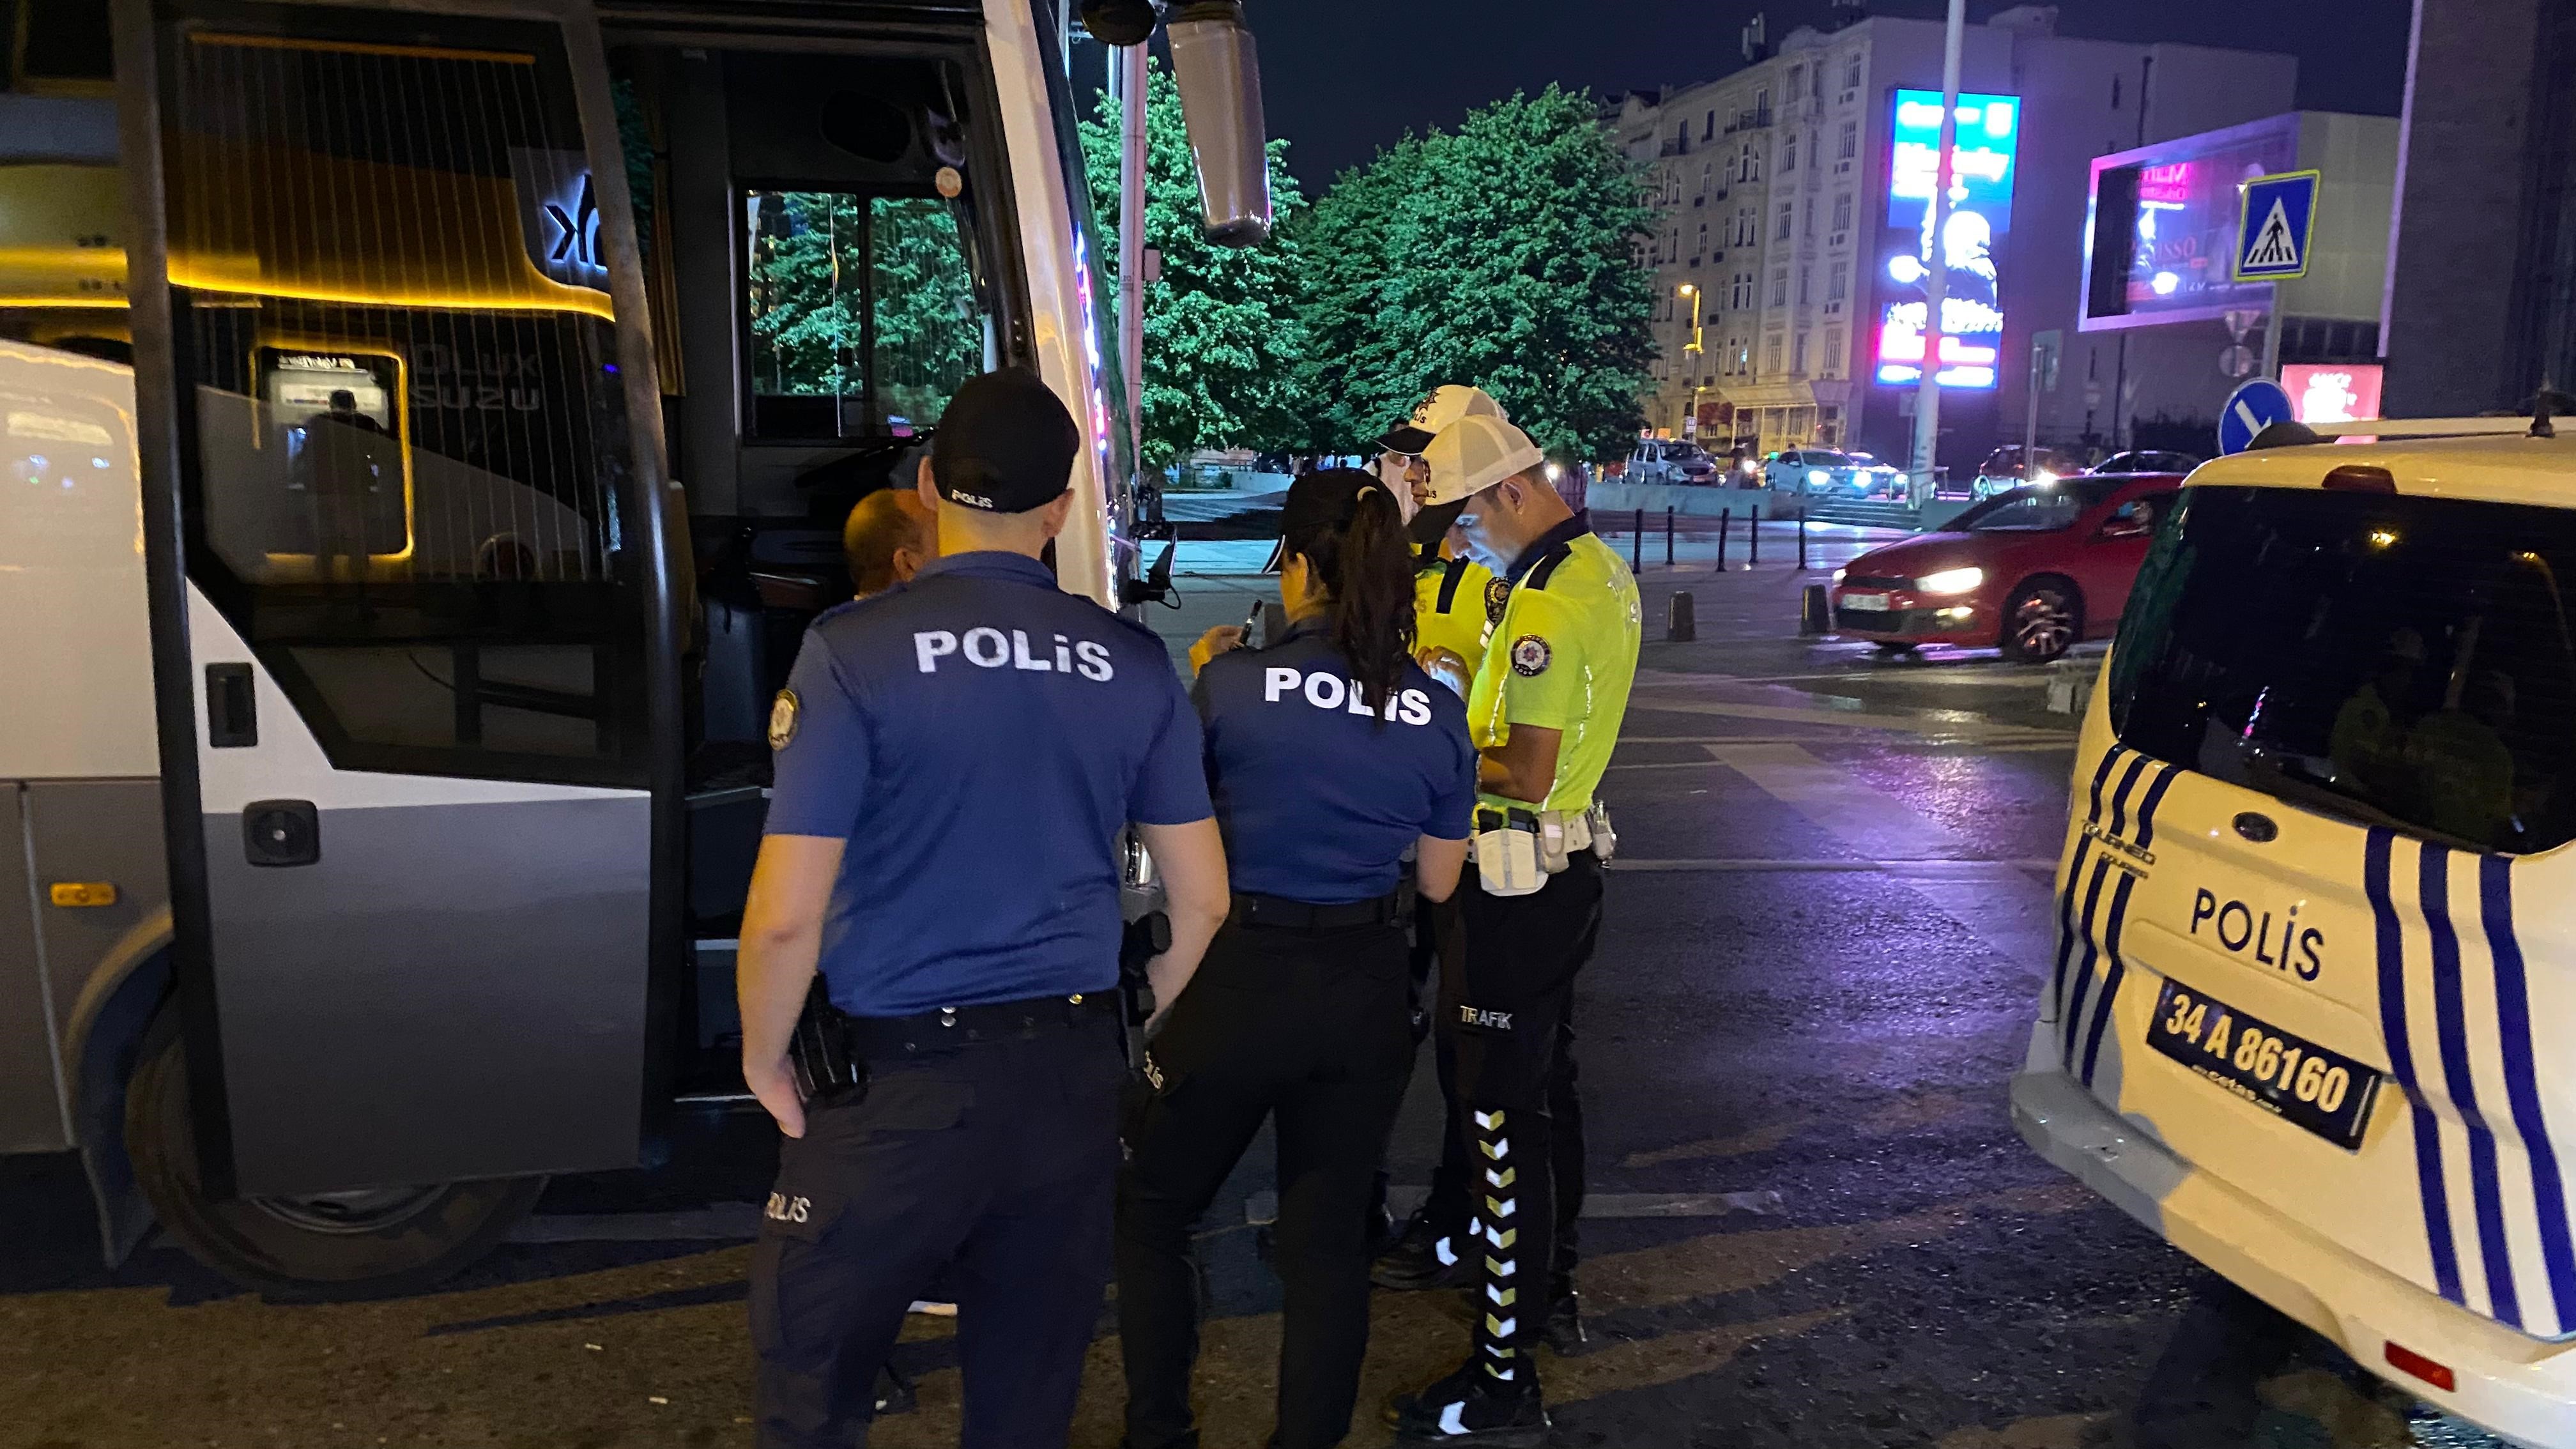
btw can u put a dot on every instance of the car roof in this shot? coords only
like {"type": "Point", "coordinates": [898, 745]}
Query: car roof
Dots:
{"type": "Point", "coordinates": [2492, 469]}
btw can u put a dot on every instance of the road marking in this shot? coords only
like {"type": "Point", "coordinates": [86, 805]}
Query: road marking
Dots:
{"type": "Point", "coordinates": [1938, 722]}
{"type": "Point", "coordinates": [1862, 815]}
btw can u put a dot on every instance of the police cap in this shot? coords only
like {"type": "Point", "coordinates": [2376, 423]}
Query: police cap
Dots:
{"type": "Point", "coordinates": [1005, 445]}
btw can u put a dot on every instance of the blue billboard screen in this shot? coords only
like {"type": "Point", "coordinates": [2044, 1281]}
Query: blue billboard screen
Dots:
{"type": "Point", "coordinates": [1981, 166]}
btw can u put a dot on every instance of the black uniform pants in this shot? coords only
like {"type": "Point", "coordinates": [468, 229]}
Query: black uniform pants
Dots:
{"type": "Point", "coordinates": [1507, 1016]}
{"type": "Point", "coordinates": [1308, 1028]}
{"type": "Point", "coordinates": [996, 1160]}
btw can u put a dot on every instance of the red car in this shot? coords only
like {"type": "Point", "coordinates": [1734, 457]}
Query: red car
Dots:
{"type": "Point", "coordinates": [2031, 570]}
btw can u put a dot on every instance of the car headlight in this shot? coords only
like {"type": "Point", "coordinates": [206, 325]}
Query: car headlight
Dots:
{"type": "Point", "coordinates": [1950, 581]}
{"type": "Point", "coordinates": [1818, 477]}
{"type": "Point", "coordinates": [1752, 465]}
{"type": "Point", "coordinates": [2043, 477]}
{"type": "Point", "coordinates": [1838, 578]}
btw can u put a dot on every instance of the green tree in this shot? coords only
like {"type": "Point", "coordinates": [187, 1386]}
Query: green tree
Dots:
{"type": "Point", "coordinates": [1502, 254]}
{"type": "Point", "coordinates": [808, 289]}
{"type": "Point", "coordinates": [1222, 335]}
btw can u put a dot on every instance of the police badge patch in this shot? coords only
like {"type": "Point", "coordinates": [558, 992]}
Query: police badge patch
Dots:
{"type": "Point", "coordinates": [1497, 594]}
{"type": "Point", "coordinates": [782, 719]}
{"type": "Point", "coordinates": [1530, 656]}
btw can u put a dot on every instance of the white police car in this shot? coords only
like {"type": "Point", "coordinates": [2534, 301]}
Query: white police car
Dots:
{"type": "Point", "coordinates": [2309, 1010]}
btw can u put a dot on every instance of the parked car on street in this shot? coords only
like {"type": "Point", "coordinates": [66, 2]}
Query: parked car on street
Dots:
{"type": "Point", "coordinates": [1670, 460]}
{"type": "Point", "coordinates": [2006, 468]}
{"type": "Point", "coordinates": [2146, 460]}
{"type": "Point", "coordinates": [2031, 571]}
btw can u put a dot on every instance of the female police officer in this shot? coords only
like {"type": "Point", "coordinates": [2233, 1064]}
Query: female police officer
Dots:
{"type": "Point", "coordinates": [1329, 754]}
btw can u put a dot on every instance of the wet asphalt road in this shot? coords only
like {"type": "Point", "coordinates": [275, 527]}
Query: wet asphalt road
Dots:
{"type": "Point", "coordinates": [1824, 937]}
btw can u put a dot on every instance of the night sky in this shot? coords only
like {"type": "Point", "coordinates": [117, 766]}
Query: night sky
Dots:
{"type": "Point", "coordinates": [1343, 77]}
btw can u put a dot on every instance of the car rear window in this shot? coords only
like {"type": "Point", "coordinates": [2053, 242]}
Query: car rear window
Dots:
{"type": "Point", "coordinates": [2395, 660]}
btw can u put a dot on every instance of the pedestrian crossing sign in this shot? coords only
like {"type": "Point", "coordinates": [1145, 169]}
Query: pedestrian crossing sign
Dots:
{"type": "Point", "coordinates": [2273, 231]}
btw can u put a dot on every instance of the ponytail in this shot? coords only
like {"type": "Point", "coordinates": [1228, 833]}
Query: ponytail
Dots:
{"type": "Point", "coordinates": [1364, 564]}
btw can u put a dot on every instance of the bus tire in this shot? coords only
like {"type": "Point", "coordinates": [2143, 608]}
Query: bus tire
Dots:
{"type": "Point", "coordinates": [333, 1247]}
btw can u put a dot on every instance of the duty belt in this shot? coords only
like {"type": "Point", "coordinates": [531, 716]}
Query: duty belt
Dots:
{"type": "Point", "coordinates": [1251, 909]}
{"type": "Point", "coordinates": [887, 1038]}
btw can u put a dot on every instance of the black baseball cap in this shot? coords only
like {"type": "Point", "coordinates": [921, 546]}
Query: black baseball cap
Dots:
{"type": "Point", "coordinates": [1325, 499]}
{"type": "Point", "coordinates": [1005, 445]}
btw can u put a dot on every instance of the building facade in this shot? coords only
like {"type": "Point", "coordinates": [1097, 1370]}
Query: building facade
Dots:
{"type": "Point", "coordinates": [2481, 294]}
{"type": "Point", "coordinates": [1805, 348]}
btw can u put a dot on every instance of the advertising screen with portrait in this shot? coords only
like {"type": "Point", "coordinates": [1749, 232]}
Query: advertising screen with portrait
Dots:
{"type": "Point", "coordinates": [1972, 241]}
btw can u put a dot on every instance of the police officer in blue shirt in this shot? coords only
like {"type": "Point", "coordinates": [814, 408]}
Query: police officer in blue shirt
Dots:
{"type": "Point", "coordinates": [955, 759]}
{"type": "Point", "coordinates": [1330, 754]}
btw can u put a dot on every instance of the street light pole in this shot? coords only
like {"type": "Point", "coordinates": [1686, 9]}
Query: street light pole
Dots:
{"type": "Point", "coordinates": [1936, 286]}
{"type": "Point", "coordinates": [1692, 349]}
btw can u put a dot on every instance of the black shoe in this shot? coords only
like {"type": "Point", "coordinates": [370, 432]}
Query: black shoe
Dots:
{"type": "Point", "coordinates": [1415, 1263]}
{"type": "Point", "coordinates": [1563, 1326]}
{"type": "Point", "coordinates": [894, 1392]}
{"type": "Point", "coordinates": [1382, 1230]}
{"type": "Point", "coordinates": [1472, 1407]}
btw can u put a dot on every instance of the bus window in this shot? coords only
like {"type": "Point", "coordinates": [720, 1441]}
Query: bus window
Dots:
{"type": "Point", "coordinates": [61, 46]}
{"type": "Point", "coordinates": [398, 372]}
{"type": "Point", "coordinates": [862, 316]}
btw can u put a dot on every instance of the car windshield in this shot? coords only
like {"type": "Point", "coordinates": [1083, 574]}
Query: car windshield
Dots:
{"type": "Point", "coordinates": [2038, 509]}
{"type": "Point", "coordinates": [1825, 458]}
{"type": "Point", "coordinates": [2398, 661]}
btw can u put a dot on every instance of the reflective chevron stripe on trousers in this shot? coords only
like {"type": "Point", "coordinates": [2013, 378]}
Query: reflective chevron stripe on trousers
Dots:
{"type": "Point", "coordinates": [1504, 1010]}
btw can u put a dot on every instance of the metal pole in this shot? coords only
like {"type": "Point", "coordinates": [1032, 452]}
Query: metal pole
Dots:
{"type": "Point", "coordinates": [1753, 538]}
{"type": "Point", "coordinates": [1131, 237]}
{"type": "Point", "coordinates": [1802, 538]}
{"type": "Point", "coordinates": [1668, 538]}
{"type": "Point", "coordinates": [1936, 286]}
{"type": "Point", "coordinates": [1725, 516]}
{"type": "Point", "coordinates": [2030, 415]}
{"type": "Point", "coordinates": [1637, 544]}
{"type": "Point", "coordinates": [2272, 337]}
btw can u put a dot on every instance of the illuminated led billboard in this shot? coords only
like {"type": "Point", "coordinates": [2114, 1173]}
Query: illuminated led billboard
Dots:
{"type": "Point", "coordinates": [1972, 241]}
{"type": "Point", "coordinates": [2161, 221]}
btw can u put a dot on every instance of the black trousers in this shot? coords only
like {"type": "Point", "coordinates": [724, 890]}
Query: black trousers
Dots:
{"type": "Point", "coordinates": [996, 1161]}
{"type": "Point", "coordinates": [1448, 1199]}
{"type": "Point", "coordinates": [1308, 1028]}
{"type": "Point", "coordinates": [1507, 1018]}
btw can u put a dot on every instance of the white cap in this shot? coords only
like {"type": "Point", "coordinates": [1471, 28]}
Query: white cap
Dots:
{"type": "Point", "coordinates": [1446, 405]}
{"type": "Point", "coordinates": [1473, 454]}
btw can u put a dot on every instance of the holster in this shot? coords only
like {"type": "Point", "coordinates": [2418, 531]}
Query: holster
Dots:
{"type": "Point", "coordinates": [828, 1071]}
{"type": "Point", "coordinates": [1147, 936]}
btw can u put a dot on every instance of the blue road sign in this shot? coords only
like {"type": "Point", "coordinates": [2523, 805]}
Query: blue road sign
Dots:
{"type": "Point", "coordinates": [2272, 232]}
{"type": "Point", "coordinates": [2250, 409]}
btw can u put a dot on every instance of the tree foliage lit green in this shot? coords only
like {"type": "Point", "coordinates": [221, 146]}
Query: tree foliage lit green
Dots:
{"type": "Point", "coordinates": [808, 290]}
{"type": "Point", "coordinates": [1501, 254]}
{"type": "Point", "coordinates": [1223, 340]}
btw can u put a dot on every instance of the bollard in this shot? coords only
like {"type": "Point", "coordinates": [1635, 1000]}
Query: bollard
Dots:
{"type": "Point", "coordinates": [1815, 611]}
{"type": "Point", "coordinates": [1753, 538]}
{"type": "Point", "coordinates": [1637, 544]}
{"type": "Point", "coordinates": [1725, 516]}
{"type": "Point", "coordinates": [1685, 625]}
{"type": "Point", "coordinates": [1802, 538]}
{"type": "Point", "coordinates": [1668, 538]}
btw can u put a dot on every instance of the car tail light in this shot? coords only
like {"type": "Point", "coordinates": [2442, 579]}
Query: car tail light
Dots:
{"type": "Point", "coordinates": [2356, 478]}
{"type": "Point", "coordinates": [2409, 1361]}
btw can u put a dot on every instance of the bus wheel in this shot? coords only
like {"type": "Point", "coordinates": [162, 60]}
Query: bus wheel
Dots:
{"type": "Point", "coordinates": [371, 1243]}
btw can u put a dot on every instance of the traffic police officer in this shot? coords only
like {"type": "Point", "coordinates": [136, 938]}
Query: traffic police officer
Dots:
{"type": "Point", "coordinates": [1456, 599]}
{"type": "Point", "coordinates": [955, 758]}
{"type": "Point", "coordinates": [1455, 603]}
{"type": "Point", "coordinates": [1545, 709]}
{"type": "Point", "coordinates": [1330, 754]}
